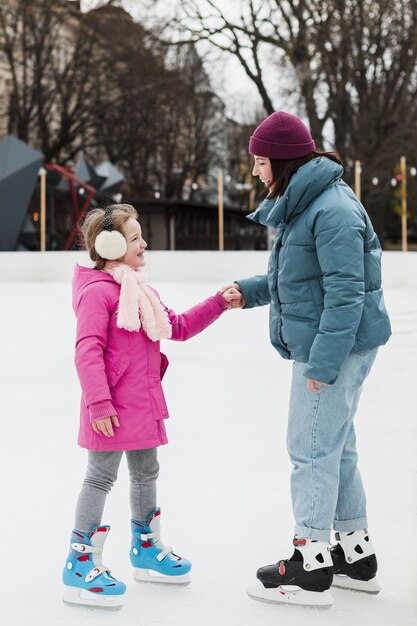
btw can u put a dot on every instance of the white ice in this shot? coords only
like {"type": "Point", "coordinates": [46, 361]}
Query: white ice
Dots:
{"type": "Point", "coordinates": [224, 482]}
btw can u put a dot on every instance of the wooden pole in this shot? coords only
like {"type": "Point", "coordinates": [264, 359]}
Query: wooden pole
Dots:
{"type": "Point", "coordinates": [403, 165]}
{"type": "Point", "coordinates": [358, 171]}
{"type": "Point", "coordinates": [221, 210]}
{"type": "Point", "coordinates": [42, 174]}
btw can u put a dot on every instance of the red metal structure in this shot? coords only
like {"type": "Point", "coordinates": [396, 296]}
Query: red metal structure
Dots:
{"type": "Point", "coordinates": [74, 183]}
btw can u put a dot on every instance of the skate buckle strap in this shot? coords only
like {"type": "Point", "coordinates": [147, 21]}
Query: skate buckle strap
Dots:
{"type": "Point", "coordinates": [161, 555]}
{"type": "Point", "coordinates": [82, 547]}
{"type": "Point", "coordinates": [315, 553]}
{"type": "Point", "coordinates": [147, 536]}
{"type": "Point", "coordinates": [96, 571]}
{"type": "Point", "coordinates": [299, 542]}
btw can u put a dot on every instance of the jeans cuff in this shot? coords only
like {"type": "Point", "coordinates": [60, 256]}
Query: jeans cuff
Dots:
{"type": "Point", "coordinates": [312, 533]}
{"type": "Point", "coordinates": [350, 525]}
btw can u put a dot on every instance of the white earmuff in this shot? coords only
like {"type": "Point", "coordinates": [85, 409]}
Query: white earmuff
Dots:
{"type": "Point", "coordinates": [110, 245]}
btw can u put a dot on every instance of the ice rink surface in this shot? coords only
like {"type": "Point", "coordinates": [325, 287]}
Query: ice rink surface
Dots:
{"type": "Point", "coordinates": [224, 481]}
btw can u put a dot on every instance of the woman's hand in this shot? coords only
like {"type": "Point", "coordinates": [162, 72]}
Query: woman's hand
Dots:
{"type": "Point", "coordinates": [105, 425]}
{"type": "Point", "coordinates": [233, 295]}
{"type": "Point", "coordinates": [314, 385]}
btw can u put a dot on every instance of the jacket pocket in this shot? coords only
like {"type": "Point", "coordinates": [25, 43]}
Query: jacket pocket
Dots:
{"type": "Point", "coordinates": [164, 365]}
{"type": "Point", "coordinates": [116, 371]}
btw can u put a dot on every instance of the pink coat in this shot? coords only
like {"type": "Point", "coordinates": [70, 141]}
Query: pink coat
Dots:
{"type": "Point", "coordinates": [120, 371]}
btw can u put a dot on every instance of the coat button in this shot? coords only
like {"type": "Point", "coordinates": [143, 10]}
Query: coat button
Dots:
{"type": "Point", "coordinates": [156, 380]}
{"type": "Point", "coordinates": [118, 372]}
{"type": "Point", "coordinates": [155, 348]}
{"type": "Point", "coordinates": [164, 412]}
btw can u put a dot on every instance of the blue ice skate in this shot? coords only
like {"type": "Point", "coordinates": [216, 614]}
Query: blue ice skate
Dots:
{"type": "Point", "coordinates": [87, 581]}
{"type": "Point", "coordinates": [151, 560]}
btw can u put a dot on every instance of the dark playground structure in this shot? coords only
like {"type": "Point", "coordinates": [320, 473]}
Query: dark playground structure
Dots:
{"type": "Point", "coordinates": [166, 224]}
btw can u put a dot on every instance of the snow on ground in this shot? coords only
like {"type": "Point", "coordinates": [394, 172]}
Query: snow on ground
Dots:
{"type": "Point", "coordinates": [224, 482]}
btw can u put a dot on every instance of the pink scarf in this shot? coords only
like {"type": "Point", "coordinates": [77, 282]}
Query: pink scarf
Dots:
{"type": "Point", "coordinates": [139, 306]}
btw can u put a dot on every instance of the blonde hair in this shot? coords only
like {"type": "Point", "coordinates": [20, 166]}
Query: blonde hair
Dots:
{"type": "Point", "coordinates": [93, 225]}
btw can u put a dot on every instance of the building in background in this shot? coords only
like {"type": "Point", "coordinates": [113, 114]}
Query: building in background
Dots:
{"type": "Point", "coordinates": [94, 82]}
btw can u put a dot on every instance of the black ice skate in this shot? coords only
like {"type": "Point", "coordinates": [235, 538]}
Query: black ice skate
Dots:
{"type": "Point", "coordinates": [304, 579]}
{"type": "Point", "coordinates": [354, 562]}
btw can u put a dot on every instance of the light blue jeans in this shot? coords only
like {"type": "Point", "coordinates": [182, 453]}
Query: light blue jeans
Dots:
{"type": "Point", "coordinates": [326, 486]}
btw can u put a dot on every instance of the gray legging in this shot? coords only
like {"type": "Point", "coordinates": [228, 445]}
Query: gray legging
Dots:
{"type": "Point", "coordinates": [102, 474]}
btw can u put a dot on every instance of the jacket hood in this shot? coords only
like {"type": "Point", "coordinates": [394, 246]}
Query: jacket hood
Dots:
{"type": "Point", "coordinates": [84, 276]}
{"type": "Point", "coordinates": [306, 184]}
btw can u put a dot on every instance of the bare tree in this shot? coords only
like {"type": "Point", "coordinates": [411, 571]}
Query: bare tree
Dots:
{"type": "Point", "coordinates": [53, 59]}
{"type": "Point", "coordinates": [194, 124]}
{"type": "Point", "coordinates": [353, 62]}
{"type": "Point", "coordinates": [156, 112]}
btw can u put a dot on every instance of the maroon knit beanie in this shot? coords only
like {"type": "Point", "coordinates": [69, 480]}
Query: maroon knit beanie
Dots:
{"type": "Point", "coordinates": [281, 136]}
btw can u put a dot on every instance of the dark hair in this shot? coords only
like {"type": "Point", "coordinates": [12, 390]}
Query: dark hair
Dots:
{"type": "Point", "coordinates": [283, 170]}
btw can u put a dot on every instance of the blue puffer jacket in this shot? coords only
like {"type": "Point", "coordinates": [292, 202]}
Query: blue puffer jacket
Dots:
{"type": "Point", "coordinates": [324, 273]}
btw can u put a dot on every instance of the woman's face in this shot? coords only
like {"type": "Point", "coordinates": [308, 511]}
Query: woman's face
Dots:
{"type": "Point", "coordinates": [262, 168]}
{"type": "Point", "coordinates": [135, 244]}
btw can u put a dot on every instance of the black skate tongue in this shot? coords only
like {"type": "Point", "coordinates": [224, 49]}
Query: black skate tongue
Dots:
{"type": "Point", "coordinates": [297, 556]}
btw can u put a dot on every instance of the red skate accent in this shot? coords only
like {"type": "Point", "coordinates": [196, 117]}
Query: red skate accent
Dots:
{"type": "Point", "coordinates": [102, 529]}
{"type": "Point", "coordinates": [147, 544]}
{"type": "Point", "coordinates": [153, 516]}
{"type": "Point", "coordinates": [78, 534]}
{"type": "Point", "coordinates": [299, 542]}
{"type": "Point", "coordinates": [281, 568]}
{"type": "Point", "coordinates": [77, 574]}
{"type": "Point", "coordinates": [282, 593]}
{"type": "Point", "coordinates": [96, 589]}
{"type": "Point", "coordinates": [84, 557]}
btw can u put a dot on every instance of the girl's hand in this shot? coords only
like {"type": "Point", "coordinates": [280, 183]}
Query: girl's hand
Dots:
{"type": "Point", "coordinates": [234, 297]}
{"type": "Point", "coordinates": [314, 385]}
{"type": "Point", "coordinates": [105, 425]}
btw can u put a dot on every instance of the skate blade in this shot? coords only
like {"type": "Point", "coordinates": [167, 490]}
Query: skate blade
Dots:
{"type": "Point", "coordinates": [83, 598]}
{"type": "Point", "coordinates": [151, 576]}
{"type": "Point", "coordinates": [350, 584]}
{"type": "Point", "coordinates": [288, 594]}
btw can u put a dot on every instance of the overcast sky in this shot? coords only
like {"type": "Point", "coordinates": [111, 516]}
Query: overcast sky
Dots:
{"type": "Point", "coordinates": [227, 76]}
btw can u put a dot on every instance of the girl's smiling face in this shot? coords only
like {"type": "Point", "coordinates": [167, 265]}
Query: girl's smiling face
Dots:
{"type": "Point", "coordinates": [136, 245]}
{"type": "Point", "coordinates": [262, 168]}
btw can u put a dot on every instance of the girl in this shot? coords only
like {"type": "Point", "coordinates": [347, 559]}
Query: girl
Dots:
{"type": "Point", "coordinates": [327, 314]}
{"type": "Point", "coordinates": [120, 322]}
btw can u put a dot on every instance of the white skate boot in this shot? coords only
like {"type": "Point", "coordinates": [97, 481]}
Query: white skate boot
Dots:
{"type": "Point", "coordinates": [354, 562]}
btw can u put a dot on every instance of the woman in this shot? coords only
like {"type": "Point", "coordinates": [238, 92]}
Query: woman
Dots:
{"type": "Point", "coordinates": [327, 314]}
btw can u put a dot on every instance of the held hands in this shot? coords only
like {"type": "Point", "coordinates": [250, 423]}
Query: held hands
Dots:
{"type": "Point", "coordinates": [233, 295]}
{"type": "Point", "coordinates": [105, 425]}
